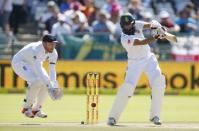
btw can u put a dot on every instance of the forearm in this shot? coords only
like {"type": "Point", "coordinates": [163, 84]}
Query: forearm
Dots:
{"type": "Point", "coordinates": [148, 40]}
{"type": "Point", "coordinates": [145, 41]}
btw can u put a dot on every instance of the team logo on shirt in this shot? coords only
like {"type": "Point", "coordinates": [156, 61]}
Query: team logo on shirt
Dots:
{"type": "Point", "coordinates": [24, 68]}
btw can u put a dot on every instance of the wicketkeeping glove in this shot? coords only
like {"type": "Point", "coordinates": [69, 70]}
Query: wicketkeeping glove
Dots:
{"type": "Point", "coordinates": [55, 92]}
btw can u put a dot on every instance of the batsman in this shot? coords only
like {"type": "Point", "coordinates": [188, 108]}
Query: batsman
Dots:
{"type": "Point", "coordinates": [27, 64]}
{"type": "Point", "coordinates": [140, 59]}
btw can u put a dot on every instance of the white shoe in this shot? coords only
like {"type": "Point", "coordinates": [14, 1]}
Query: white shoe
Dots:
{"type": "Point", "coordinates": [28, 112]}
{"type": "Point", "coordinates": [39, 113]}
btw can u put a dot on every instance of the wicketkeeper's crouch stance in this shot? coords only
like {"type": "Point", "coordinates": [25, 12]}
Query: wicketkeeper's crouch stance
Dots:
{"type": "Point", "coordinates": [27, 63]}
{"type": "Point", "coordinates": [140, 59]}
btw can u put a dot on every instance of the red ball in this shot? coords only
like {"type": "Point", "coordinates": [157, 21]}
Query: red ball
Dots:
{"type": "Point", "coordinates": [93, 105]}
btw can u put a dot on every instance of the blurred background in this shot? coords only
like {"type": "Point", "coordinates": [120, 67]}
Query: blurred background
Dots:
{"type": "Point", "coordinates": [89, 33]}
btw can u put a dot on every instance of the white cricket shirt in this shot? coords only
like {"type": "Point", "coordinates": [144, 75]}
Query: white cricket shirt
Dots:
{"type": "Point", "coordinates": [34, 54]}
{"type": "Point", "coordinates": [135, 51]}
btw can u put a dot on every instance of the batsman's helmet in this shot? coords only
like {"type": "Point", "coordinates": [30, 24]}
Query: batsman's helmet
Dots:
{"type": "Point", "coordinates": [126, 19]}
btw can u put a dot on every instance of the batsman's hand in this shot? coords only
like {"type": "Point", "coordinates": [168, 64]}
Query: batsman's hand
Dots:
{"type": "Point", "coordinates": [155, 24]}
{"type": "Point", "coordinates": [160, 32]}
{"type": "Point", "coordinates": [54, 91]}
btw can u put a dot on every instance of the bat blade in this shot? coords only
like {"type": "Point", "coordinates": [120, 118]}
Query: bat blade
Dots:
{"type": "Point", "coordinates": [170, 37]}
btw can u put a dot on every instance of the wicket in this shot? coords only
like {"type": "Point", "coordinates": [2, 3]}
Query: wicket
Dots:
{"type": "Point", "coordinates": [92, 83]}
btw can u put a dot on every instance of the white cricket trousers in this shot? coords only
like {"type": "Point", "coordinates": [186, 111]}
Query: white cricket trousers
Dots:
{"type": "Point", "coordinates": [135, 68]}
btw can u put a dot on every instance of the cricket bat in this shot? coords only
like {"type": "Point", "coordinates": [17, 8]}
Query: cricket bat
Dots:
{"type": "Point", "coordinates": [170, 37]}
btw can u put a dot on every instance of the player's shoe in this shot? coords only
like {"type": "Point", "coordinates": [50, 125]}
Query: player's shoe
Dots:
{"type": "Point", "coordinates": [156, 120]}
{"type": "Point", "coordinates": [111, 121]}
{"type": "Point", "coordinates": [39, 113]}
{"type": "Point", "coordinates": [28, 112]}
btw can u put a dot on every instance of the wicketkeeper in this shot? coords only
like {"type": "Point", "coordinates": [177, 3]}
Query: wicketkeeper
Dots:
{"type": "Point", "coordinates": [27, 63]}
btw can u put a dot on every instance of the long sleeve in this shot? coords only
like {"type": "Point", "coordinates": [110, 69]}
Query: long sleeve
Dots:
{"type": "Point", "coordinates": [52, 63]}
{"type": "Point", "coordinates": [38, 54]}
{"type": "Point", "coordinates": [52, 72]}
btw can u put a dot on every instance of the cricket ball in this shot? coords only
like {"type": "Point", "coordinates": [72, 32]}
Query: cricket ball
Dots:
{"type": "Point", "coordinates": [93, 105]}
{"type": "Point", "coordinates": [82, 122]}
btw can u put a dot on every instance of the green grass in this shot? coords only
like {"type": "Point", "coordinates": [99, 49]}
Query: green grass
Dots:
{"type": "Point", "coordinates": [70, 111]}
